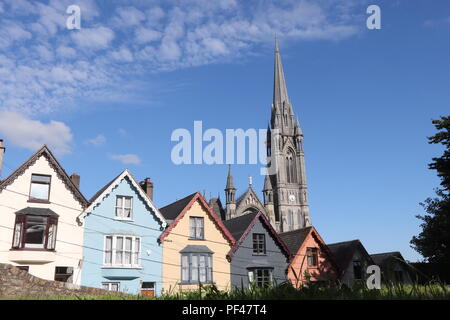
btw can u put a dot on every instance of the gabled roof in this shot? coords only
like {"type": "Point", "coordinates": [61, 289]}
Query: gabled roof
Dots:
{"type": "Point", "coordinates": [183, 205]}
{"type": "Point", "coordinates": [343, 252]}
{"type": "Point", "coordinates": [107, 189]}
{"type": "Point", "coordinates": [45, 152]}
{"type": "Point", "coordinates": [171, 211]}
{"type": "Point", "coordinates": [249, 192]}
{"type": "Point", "coordinates": [241, 227]}
{"type": "Point", "coordinates": [295, 238]}
{"type": "Point", "coordinates": [381, 258]}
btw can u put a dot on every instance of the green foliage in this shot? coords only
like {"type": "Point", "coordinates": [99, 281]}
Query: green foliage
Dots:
{"type": "Point", "coordinates": [434, 241]}
{"type": "Point", "coordinates": [285, 291]}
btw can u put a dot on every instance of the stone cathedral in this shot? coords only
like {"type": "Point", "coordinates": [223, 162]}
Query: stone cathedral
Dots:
{"type": "Point", "coordinates": [285, 197]}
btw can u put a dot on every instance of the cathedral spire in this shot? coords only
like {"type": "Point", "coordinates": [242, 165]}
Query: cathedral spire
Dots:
{"type": "Point", "coordinates": [280, 94]}
{"type": "Point", "coordinates": [230, 184]}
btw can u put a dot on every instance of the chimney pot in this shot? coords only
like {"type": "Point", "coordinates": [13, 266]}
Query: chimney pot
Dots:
{"type": "Point", "coordinates": [75, 179]}
{"type": "Point", "coordinates": [147, 186]}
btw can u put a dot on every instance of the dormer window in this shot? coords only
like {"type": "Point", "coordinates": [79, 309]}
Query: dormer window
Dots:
{"type": "Point", "coordinates": [124, 207]}
{"type": "Point", "coordinates": [40, 187]}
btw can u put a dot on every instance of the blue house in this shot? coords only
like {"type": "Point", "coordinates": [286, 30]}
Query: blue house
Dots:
{"type": "Point", "coordinates": [121, 227]}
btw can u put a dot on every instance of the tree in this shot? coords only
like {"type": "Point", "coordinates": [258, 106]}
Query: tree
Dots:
{"type": "Point", "coordinates": [433, 243]}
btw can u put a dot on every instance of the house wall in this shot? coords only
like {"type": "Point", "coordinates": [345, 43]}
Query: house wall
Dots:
{"type": "Point", "coordinates": [244, 258]}
{"type": "Point", "coordinates": [348, 277]}
{"type": "Point", "coordinates": [69, 241]}
{"type": "Point", "coordinates": [323, 272]}
{"type": "Point", "coordinates": [177, 239]}
{"type": "Point", "coordinates": [94, 271]}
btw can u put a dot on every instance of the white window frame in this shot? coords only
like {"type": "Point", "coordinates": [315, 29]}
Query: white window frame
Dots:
{"type": "Point", "coordinates": [122, 217]}
{"type": "Point", "coordinates": [109, 284]}
{"type": "Point", "coordinates": [208, 268]}
{"type": "Point", "coordinates": [114, 250]}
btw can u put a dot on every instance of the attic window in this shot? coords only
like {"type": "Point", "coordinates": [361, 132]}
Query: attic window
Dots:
{"type": "Point", "coordinates": [312, 255]}
{"type": "Point", "coordinates": [124, 207]}
{"type": "Point", "coordinates": [40, 187]}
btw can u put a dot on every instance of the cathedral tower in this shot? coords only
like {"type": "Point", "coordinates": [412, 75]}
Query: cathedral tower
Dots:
{"type": "Point", "coordinates": [285, 149]}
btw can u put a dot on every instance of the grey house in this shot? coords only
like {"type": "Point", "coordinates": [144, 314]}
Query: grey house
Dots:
{"type": "Point", "coordinates": [259, 254]}
{"type": "Point", "coordinates": [394, 269]}
{"type": "Point", "coordinates": [353, 260]}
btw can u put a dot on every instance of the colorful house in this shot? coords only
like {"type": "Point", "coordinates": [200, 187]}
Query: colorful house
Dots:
{"type": "Point", "coordinates": [312, 260]}
{"type": "Point", "coordinates": [259, 255]}
{"type": "Point", "coordinates": [39, 204]}
{"type": "Point", "coordinates": [122, 226]}
{"type": "Point", "coordinates": [195, 246]}
{"type": "Point", "coordinates": [353, 260]}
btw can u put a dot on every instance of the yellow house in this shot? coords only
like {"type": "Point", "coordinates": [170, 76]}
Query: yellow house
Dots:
{"type": "Point", "coordinates": [195, 246]}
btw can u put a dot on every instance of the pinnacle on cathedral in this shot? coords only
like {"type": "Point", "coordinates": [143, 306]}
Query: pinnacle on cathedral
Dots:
{"type": "Point", "coordinates": [285, 193]}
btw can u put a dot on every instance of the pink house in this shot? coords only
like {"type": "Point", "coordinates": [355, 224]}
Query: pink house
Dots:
{"type": "Point", "coordinates": [311, 259]}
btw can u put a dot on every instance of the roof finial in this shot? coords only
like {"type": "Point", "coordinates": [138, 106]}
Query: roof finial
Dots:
{"type": "Point", "coordinates": [249, 181]}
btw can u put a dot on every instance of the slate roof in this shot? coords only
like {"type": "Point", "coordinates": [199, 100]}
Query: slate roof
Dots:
{"type": "Point", "coordinates": [45, 151]}
{"type": "Point", "coordinates": [216, 205]}
{"type": "Point", "coordinates": [38, 212]}
{"type": "Point", "coordinates": [238, 226]}
{"type": "Point", "coordinates": [171, 211]}
{"type": "Point", "coordinates": [294, 239]}
{"type": "Point", "coordinates": [196, 249]}
{"type": "Point", "coordinates": [99, 192]}
{"type": "Point", "coordinates": [343, 252]}
{"type": "Point", "coordinates": [381, 258]}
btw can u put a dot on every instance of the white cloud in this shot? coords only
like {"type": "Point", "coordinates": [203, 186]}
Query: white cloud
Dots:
{"type": "Point", "coordinates": [94, 38]}
{"type": "Point", "coordinates": [31, 134]}
{"type": "Point", "coordinates": [126, 158]}
{"type": "Point", "coordinates": [97, 141]}
{"type": "Point", "coordinates": [44, 67]}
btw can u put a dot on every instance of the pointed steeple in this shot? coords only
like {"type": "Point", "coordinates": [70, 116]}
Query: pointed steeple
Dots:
{"type": "Point", "coordinates": [280, 94]}
{"type": "Point", "coordinates": [230, 183]}
{"type": "Point", "coordinates": [267, 183]}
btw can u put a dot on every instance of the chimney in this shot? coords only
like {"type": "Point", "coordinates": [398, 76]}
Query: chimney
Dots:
{"type": "Point", "coordinates": [147, 186]}
{"type": "Point", "coordinates": [2, 152]}
{"type": "Point", "coordinates": [75, 179]}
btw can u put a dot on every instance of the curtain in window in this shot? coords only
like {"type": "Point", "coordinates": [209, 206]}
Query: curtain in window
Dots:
{"type": "Point", "coordinates": [119, 250]}
{"type": "Point", "coordinates": [128, 242]}
{"type": "Point", "coordinates": [184, 268]}
{"type": "Point", "coordinates": [119, 207]}
{"type": "Point", "coordinates": [127, 207]}
{"type": "Point", "coordinates": [108, 250]}
{"type": "Point", "coordinates": [194, 268]}
{"type": "Point", "coordinates": [199, 225]}
{"type": "Point", "coordinates": [137, 248]}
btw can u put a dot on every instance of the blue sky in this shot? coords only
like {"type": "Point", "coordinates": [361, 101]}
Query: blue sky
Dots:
{"type": "Point", "coordinates": [108, 97]}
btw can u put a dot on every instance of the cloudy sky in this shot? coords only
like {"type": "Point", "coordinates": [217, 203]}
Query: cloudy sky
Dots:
{"type": "Point", "coordinates": [108, 96]}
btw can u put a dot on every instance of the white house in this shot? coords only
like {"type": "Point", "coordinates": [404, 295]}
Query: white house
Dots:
{"type": "Point", "coordinates": [39, 204]}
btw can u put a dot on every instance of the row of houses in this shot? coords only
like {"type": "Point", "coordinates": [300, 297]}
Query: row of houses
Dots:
{"type": "Point", "coordinates": [119, 240]}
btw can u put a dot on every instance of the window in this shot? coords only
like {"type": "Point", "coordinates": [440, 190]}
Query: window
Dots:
{"type": "Point", "coordinates": [357, 270]}
{"type": "Point", "coordinates": [259, 243]}
{"type": "Point", "coordinates": [111, 286]}
{"type": "Point", "coordinates": [148, 289]}
{"type": "Point", "coordinates": [64, 274]}
{"type": "Point", "coordinates": [311, 254]}
{"type": "Point", "coordinates": [35, 232]}
{"type": "Point", "coordinates": [196, 227]}
{"type": "Point", "coordinates": [261, 277]}
{"type": "Point", "coordinates": [124, 207]}
{"type": "Point", "coordinates": [196, 268]}
{"type": "Point", "coordinates": [122, 251]}
{"type": "Point", "coordinates": [40, 187]}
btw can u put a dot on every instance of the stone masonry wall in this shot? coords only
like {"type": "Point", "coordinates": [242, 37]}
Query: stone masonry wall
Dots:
{"type": "Point", "coordinates": [16, 283]}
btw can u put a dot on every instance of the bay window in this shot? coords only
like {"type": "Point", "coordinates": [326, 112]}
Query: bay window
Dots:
{"type": "Point", "coordinates": [122, 251]}
{"type": "Point", "coordinates": [33, 231]}
{"type": "Point", "coordinates": [196, 268]}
